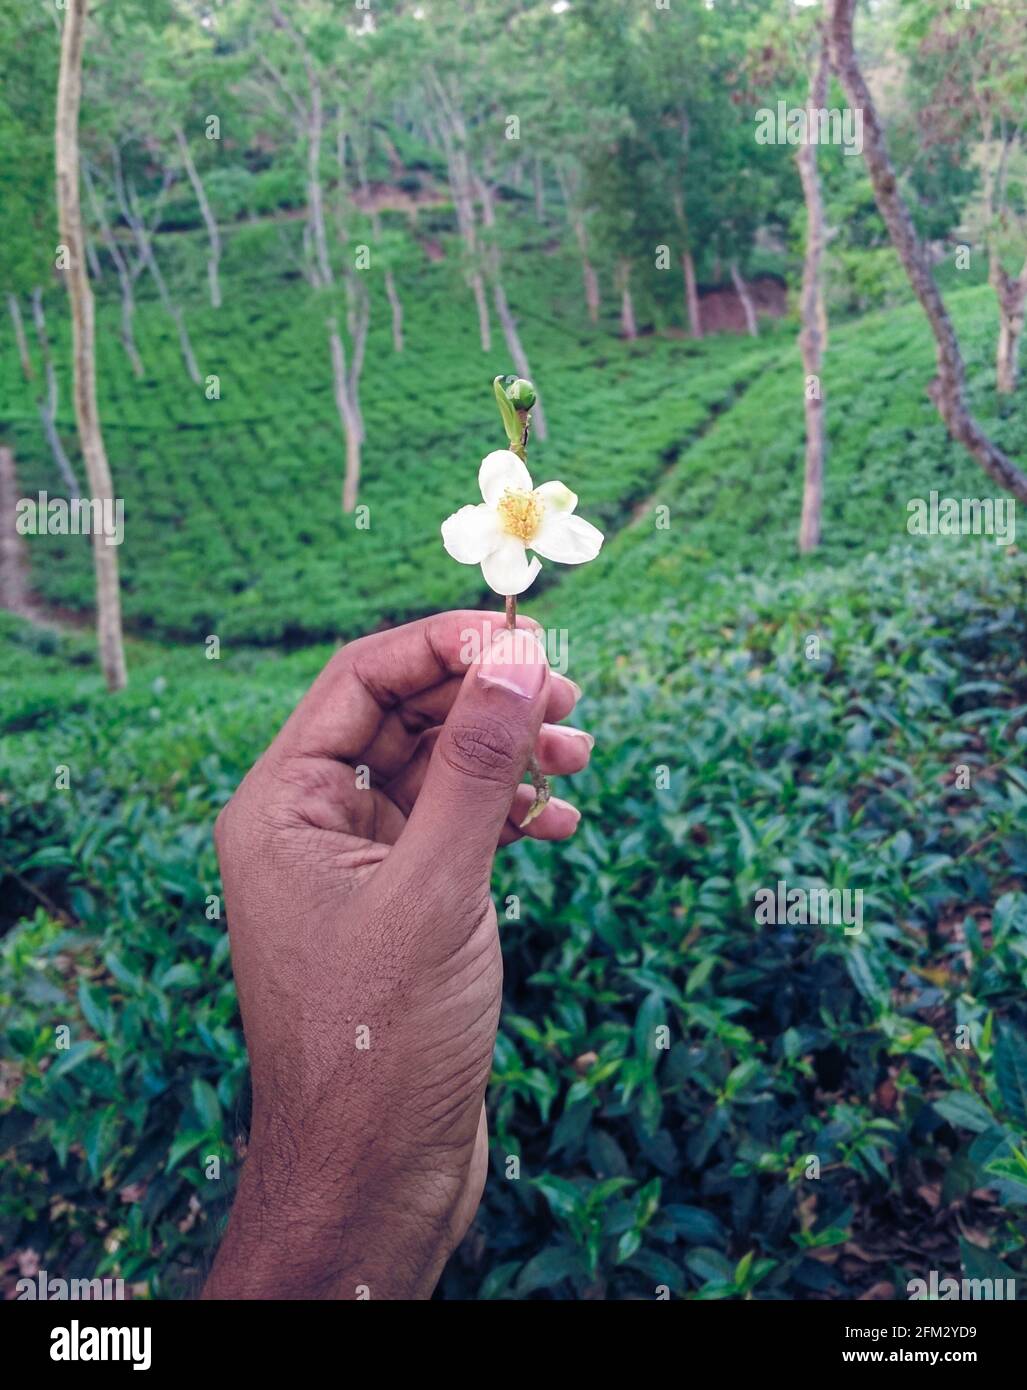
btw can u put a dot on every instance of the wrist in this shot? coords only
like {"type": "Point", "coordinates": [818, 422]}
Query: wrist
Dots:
{"type": "Point", "coordinates": [298, 1234]}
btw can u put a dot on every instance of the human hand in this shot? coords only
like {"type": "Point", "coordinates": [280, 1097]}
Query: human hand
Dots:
{"type": "Point", "coordinates": [356, 858]}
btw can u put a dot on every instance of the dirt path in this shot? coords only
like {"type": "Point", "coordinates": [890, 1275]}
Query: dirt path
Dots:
{"type": "Point", "coordinates": [15, 588]}
{"type": "Point", "coordinates": [677, 452]}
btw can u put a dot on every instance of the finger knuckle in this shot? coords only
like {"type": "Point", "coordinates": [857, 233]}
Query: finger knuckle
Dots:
{"type": "Point", "coordinates": [481, 748]}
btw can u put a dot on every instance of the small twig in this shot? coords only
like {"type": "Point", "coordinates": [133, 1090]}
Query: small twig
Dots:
{"type": "Point", "coordinates": [543, 791]}
{"type": "Point", "coordinates": [56, 912]}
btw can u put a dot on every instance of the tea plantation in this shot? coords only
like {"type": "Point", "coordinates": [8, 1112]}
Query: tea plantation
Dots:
{"type": "Point", "coordinates": [833, 1109]}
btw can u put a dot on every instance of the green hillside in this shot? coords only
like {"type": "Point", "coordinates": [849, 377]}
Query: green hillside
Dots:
{"type": "Point", "coordinates": [686, 1167]}
{"type": "Point", "coordinates": [733, 498]}
{"type": "Point", "coordinates": [252, 481]}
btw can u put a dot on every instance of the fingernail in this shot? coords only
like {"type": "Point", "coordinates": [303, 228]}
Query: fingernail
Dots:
{"type": "Point", "coordinates": [575, 687]}
{"type": "Point", "coordinates": [559, 801]}
{"type": "Point", "coordinates": [574, 733]}
{"type": "Point", "coordinates": [514, 662]}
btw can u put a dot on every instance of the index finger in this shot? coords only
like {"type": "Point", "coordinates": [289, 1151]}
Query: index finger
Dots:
{"type": "Point", "coordinates": [366, 680]}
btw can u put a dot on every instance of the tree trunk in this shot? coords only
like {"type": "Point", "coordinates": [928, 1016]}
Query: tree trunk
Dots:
{"type": "Point", "coordinates": [48, 403]}
{"type": "Point", "coordinates": [94, 261]}
{"type": "Point", "coordinates": [518, 356]}
{"type": "Point", "coordinates": [346, 383]}
{"type": "Point", "coordinates": [351, 481]}
{"type": "Point", "coordinates": [1012, 302]}
{"type": "Point", "coordinates": [948, 389]}
{"type": "Point", "coordinates": [691, 296]}
{"type": "Point", "coordinates": [742, 290]}
{"type": "Point", "coordinates": [628, 326]}
{"type": "Point", "coordinates": [358, 320]}
{"type": "Point", "coordinates": [210, 221]}
{"type": "Point", "coordinates": [396, 306]}
{"type": "Point", "coordinates": [692, 309]}
{"type": "Point", "coordinates": [128, 307]}
{"type": "Point", "coordinates": [570, 188]}
{"type": "Point", "coordinates": [183, 339]}
{"type": "Point", "coordinates": [348, 417]}
{"type": "Point", "coordinates": [812, 314]}
{"type": "Point", "coordinates": [589, 277]}
{"type": "Point", "coordinates": [14, 588]}
{"type": "Point", "coordinates": [144, 243]}
{"type": "Point", "coordinates": [540, 192]}
{"type": "Point", "coordinates": [459, 179]}
{"type": "Point", "coordinates": [591, 282]}
{"type": "Point", "coordinates": [14, 309]}
{"type": "Point", "coordinates": [105, 557]}
{"type": "Point", "coordinates": [315, 197]}
{"type": "Point", "coordinates": [392, 294]}
{"type": "Point", "coordinates": [453, 135]}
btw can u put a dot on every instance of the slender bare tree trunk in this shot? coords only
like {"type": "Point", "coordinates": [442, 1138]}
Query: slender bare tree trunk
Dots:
{"type": "Point", "coordinates": [1011, 292]}
{"type": "Point", "coordinates": [392, 294]}
{"type": "Point", "coordinates": [691, 295]}
{"type": "Point", "coordinates": [589, 278]}
{"type": "Point", "coordinates": [14, 589]}
{"type": "Point", "coordinates": [695, 328]}
{"type": "Point", "coordinates": [519, 357]}
{"type": "Point", "coordinates": [813, 314]}
{"type": "Point", "coordinates": [540, 192]}
{"type": "Point", "coordinates": [452, 133]}
{"type": "Point", "coordinates": [315, 197]}
{"type": "Point", "coordinates": [459, 180]}
{"type": "Point", "coordinates": [570, 186]}
{"type": "Point", "coordinates": [358, 321]}
{"type": "Point", "coordinates": [14, 309]}
{"type": "Point", "coordinates": [147, 257]}
{"type": "Point", "coordinates": [93, 259]}
{"type": "Point", "coordinates": [742, 290]}
{"type": "Point", "coordinates": [210, 221]}
{"type": "Point", "coordinates": [481, 303]}
{"type": "Point", "coordinates": [105, 557]}
{"type": "Point", "coordinates": [628, 326]}
{"type": "Point", "coordinates": [345, 378]}
{"type": "Point", "coordinates": [506, 319]}
{"type": "Point", "coordinates": [48, 403]}
{"type": "Point", "coordinates": [396, 305]}
{"type": "Point", "coordinates": [948, 389]}
{"type": "Point", "coordinates": [591, 282]}
{"type": "Point", "coordinates": [350, 420]}
{"type": "Point", "coordinates": [125, 278]}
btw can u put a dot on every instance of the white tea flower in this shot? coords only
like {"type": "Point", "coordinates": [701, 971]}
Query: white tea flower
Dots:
{"type": "Point", "coordinates": [513, 519]}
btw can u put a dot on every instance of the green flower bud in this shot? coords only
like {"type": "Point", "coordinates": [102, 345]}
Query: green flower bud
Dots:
{"type": "Point", "coordinates": [520, 393]}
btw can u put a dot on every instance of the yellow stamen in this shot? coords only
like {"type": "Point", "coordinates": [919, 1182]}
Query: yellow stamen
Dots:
{"type": "Point", "coordinates": [520, 514]}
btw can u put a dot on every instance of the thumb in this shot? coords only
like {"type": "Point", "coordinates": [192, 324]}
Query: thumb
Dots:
{"type": "Point", "coordinates": [478, 760]}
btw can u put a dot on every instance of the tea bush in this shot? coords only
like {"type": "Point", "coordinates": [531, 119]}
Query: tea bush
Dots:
{"type": "Point", "coordinates": [726, 760]}
{"type": "Point", "coordinates": [832, 1110]}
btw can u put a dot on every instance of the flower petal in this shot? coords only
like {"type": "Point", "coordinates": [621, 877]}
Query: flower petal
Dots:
{"type": "Point", "coordinates": [507, 569]}
{"type": "Point", "coordinates": [500, 470]}
{"type": "Point", "coordinates": [471, 533]}
{"type": "Point", "coordinates": [570, 540]}
{"type": "Point", "coordinates": [557, 497]}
